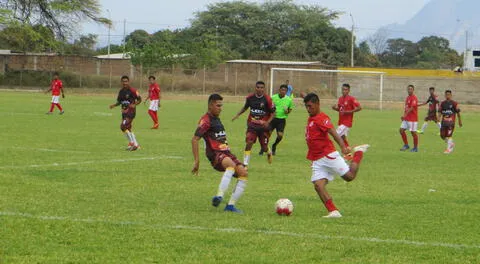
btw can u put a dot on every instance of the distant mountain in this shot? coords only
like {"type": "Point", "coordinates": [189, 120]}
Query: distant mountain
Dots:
{"type": "Point", "coordinates": [450, 19]}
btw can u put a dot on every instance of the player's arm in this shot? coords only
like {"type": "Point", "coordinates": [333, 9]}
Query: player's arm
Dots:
{"type": "Point", "coordinates": [339, 140]}
{"type": "Point", "coordinates": [244, 108]}
{"type": "Point", "coordinates": [335, 107]}
{"type": "Point", "coordinates": [61, 90]}
{"type": "Point", "coordinates": [196, 155]}
{"type": "Point", "coordinates": [407, 111]}
{"type": "Point", "coordinates": [138, 100]}
{"type": "Point", "coordinates": [459, 117]}
{"type": "Point", "coordinates": [356, 109]}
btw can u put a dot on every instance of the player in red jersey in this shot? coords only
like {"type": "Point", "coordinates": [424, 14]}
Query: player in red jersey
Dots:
{"type": "Point", "coordinates": [128, 98]}
{"type": "Point", "coordinates": [262, 111]}
{"type": "Point", "coordinates": [447, 112]}
{"type": "Point", "coordinates": [346, 106]}
{"type": "Point", "coordinates": [433, 103]}
{"type": "Point", "coordinates": [326, 161]}
{"type": "Point", "coordinates": [56, 86]}
{"type": "Point", "coordinates": [154, 97]}
{"type": "Point", "coordinates": [410, 120]}
{"type": "Point", "coordinates": [211, 129]}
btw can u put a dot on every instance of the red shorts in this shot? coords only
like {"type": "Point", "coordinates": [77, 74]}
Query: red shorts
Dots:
{"type": "Point", "coordinates": [446, 131]}
{"type": "Point", "coordinates": [217, 157]}
{"type": "Point", "coordinates": [431, 117]}
{"type": "Point", "coordinates": [263, 134]}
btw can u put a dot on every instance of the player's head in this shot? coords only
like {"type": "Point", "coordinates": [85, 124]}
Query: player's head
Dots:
{"type": "Point", "coordinates": [151, 79]}
{"type": "Point", "coordinates": [260, 88]}
{"type": "Point", "coordinates": [410, 89]}
{"type": "Point", "coordinates": [282, 91]}
{"type": "Point", "coordinates": [55, 75]}
{"type": "Point", "coordinates": [215, 103]}
{"type": "Point", "coordinates": [312, 104]}
{"type": "Point", "coordinates": [125, 81]}
{"type": "Point", "coordinates": [448, 94]}
{"type": "Point", "coordinates": [345, 89]}
{"type": "Point", "coordinates": [431, 90]}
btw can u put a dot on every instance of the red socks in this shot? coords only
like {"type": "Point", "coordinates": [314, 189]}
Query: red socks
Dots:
{"type": "Point", "coordinates": [357, 157]}
{"type": "Point", "coordinates": [153, 115]}
{"type": "Point", "coordinates": [404, 137]}
{"type": "Point", "coordinates": [59, 107]}
{"type": "Point", "coordinates": [330, 206]}
{"type": "Point", "coordinates": [415, 140]}
{"type": "Point", "coordinates": [53, 106]}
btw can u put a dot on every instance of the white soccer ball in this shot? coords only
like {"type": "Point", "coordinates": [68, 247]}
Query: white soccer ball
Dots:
{"type": "Point", "coordinates": [284, 207]}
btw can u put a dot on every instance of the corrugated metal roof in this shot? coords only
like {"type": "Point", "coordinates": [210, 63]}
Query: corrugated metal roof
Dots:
{"type": "Point", "coordinates": [271, 62]}
{"type": "Point", "coordinates": [114, 56]}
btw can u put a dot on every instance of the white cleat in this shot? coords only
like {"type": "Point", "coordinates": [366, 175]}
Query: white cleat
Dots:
{"type": "Point", "coordinates": [362, 148]}
{"type": "Point", "coordinates": [333, 214]}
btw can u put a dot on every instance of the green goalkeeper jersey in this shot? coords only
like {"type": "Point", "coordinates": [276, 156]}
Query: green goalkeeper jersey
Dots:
{"type": "Point", "coordinates": [282, 105]}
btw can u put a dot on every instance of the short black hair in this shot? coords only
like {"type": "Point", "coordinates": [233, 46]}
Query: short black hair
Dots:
{"type": "Point", "coordinates": [411, 85]}
{"type": "Point", "coordinates": [283, 86]}
{"type": "Point", "coordinates": [431, 88]}
{"type": "Point", "coordinates": [260, 82]}
{"type": "Point", "coordinates": [151, 77]}
{"type": "Point", "coordinates": [125, 77]}
{"type": "Point", "coordinates": [214, 97]}
{"type": "Point", "coordinates": [55, 73]}
{"type": "Point", "coordinates": [346, 85]}
{"type": "Point", "coordinates": [448, 91]}
{"type": "Point", "coordinates": [311, 97]}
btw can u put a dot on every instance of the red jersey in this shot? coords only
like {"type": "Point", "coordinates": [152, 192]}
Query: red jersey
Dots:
{"type": "Point", "coordinates": [449, 110]}
{"type": "Point", "coordinates": [56, 86]}
{"type": "Point", "coordinates": [211, 129]}
{"type": "Point", "coordinates": [316, 135]}
{"type": "Point", "coordinates": [411, 101]}
{"type": "Point", "coordinates": [154, 91]}
{"type": "Point", "coordinates": [260, 108]}
{"type": "Point", "coordinates": [346, 103]}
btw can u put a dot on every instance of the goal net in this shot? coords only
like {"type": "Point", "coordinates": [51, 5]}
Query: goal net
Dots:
{"type": "Point", "coordinates": [366, 86]}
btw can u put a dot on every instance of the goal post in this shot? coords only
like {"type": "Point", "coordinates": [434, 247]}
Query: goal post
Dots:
{"type": "Point", "coordinates": [366, 85]}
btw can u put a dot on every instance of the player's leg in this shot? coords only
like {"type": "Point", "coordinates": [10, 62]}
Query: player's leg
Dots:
{"type": "Point", "coordinates": [339, 165]}
{"type": "Point", "coordinates": [263, 136]}
{"type": "Point", "coordinates": [402, 129]}
{"type": "Point", "coordinates": [424, 126]}
{"type": "Point", "coordinates": [152, 111]}
{"type": "Point", "coordinates": [448, 135]}
{"type": "Point", "coordinates": [320, 178]}
{"type": "Point", "coordinates": [228, 166]}
{"type": "Point", "coordinates": [280, 128]}
{"type": "Point", "coordinates": [239, 189]}
{"type": "Point", "coordinates": [52, 104]}
{"type": "Point", "coordinates": [250, 139]}
{"type": "Point", "coordinates": [413, 130]}
{"type": "Point", "coordinates": [126, 132]}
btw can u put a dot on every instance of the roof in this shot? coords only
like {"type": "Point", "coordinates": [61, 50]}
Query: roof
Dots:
{"type": "Point", "coordinates": [114, 56]}
{"type": "Point", "coordinates": [274, 62]}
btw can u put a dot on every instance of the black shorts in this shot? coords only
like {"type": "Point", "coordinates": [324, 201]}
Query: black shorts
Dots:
{"type": "Point", "coordinates": [278, 124]}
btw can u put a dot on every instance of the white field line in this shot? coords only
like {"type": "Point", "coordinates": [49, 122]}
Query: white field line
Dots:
{"type": "Point", "coordinates": [240, 230]}
{"type": "Point", "coordinates": [52, 150]}
{"type": "Point", "coordinates": [89, 162]}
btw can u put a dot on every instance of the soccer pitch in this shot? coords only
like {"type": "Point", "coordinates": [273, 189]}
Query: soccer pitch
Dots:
{"type": "Point", "coordinates": [70, 193]}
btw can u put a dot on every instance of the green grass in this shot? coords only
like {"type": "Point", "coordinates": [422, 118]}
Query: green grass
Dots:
{"type": "Point", "coordinates": [102, 204]}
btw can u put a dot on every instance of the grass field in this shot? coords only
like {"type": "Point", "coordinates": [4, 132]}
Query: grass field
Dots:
{"type": "Point", "coordinates": [70, 193]}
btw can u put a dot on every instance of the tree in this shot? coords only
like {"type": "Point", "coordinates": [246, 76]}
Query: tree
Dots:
{"type": "Point", "coordinates": [399, 53]}
{"type": "Point", "coordinates": [60, 17]}
{"type": "Point", "coordinates": [364, 57]}
{"type": "Point", "coordinates": [378, 41]}
{"type": "Point", "coordinates": [84, 45]}
{"type": "Point", "coordinates": [138, 39]}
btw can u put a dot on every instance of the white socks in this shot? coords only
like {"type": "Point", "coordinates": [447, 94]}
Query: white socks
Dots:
{"type": "Point", "coordinates": [226, 178]}
{"type": "Point", "coordinates": [246, 157]}
{"type": "Point", "coordinates": [237, 193]}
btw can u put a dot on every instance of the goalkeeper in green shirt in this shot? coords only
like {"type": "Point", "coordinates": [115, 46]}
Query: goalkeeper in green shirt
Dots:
{"type": "Point", "coordinates": [283, 105]}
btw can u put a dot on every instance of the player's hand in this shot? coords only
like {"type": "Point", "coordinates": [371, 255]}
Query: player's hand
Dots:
{"type": "Point", "coordinates": [460, 124]}
{"type": "Point", "coordinates": [63, 96]}
{"type": "Point", "coordinates": [346, 150]}
{"type": "Point", "coordinates": [111, 106]}
{"type": "Point", "coordinates": [159, 104]}
{"type": "Point", "coordinates": [131, 105]}
{"type": "Point", "coordinates": [196, 165]}
{"type": "Point", "coordinates": [402, 118]}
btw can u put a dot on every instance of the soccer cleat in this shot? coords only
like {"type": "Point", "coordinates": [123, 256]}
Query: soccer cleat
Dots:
{"type": "Point", "coordinates": [363, 148]}
{"type": "Point", "coordinates": [48, 113]}
{"type": "Point", "coordinates": [217, 200]}
{"type": "Point", "coordinates": [269, 157]}
{"type": "Point", "coordinates": [333, 214]}
{"type": "Point", "coordinates": [405, 147]}
{"type": "Point", "coordinates": [447, 151]}
{"type": "Point", "coordinates": [420, 131]}
{"type": "Point", "coordinates": [155, 126]}
{"type": "Point", "coordinates": [260, 153]}
{"type": "Point", "coordinates": [135, 147]}
{"type": "Point", "coordinates": [232, 208]}
{"type": "Point", "coordinates": [62, 112]}
{"type": "Point", "coordinates": [129, 147]}
{"type": "Point", "coordinates": [414, 150]}
{"type": "Point", "coordinates": [274, 149]}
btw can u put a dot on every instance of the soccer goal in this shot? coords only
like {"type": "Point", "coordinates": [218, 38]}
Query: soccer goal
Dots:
{"type": "Point", "coordinates": [366, 86]}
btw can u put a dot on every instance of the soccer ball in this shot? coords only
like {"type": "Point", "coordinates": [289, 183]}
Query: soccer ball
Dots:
{"type": "Point", "coordinates": [284, 207]}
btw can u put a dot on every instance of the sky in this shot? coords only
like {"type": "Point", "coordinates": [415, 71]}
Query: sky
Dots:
{"type": "Point", "coordinates": [152, 16]}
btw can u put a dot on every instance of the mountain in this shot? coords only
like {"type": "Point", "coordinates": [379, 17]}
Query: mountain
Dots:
{"type": "Point", "coordinates": [450, 19]}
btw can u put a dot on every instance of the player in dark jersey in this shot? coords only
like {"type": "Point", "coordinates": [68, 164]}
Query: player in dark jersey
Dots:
{"type": "Point", "coordinates": [128, 98]}
{"type": "Point", "coordinates": [261, 114]}
{"type": "Point", "coordinates": [433, 103]}
{"type": "Point", "coordinates": [211, 129]}
{"type": "Point", "coordinates": [447, 112]}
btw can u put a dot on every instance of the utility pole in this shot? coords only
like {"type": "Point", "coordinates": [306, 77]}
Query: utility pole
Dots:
{"type": "Point", "coordinates": [108, 50]}
{"type": "Point", "coordinates": [124, 32]}
{"type": "Point", "coordinates": [352, 44]}
{"type": "Point", "coordinates": [465, 54]}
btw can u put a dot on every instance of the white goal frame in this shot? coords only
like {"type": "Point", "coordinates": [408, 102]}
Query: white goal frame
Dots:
{"type": "Point", "coordinates": [272, 70]}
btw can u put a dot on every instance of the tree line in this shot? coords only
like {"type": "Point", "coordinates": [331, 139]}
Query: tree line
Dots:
{"type": "Point", "coordinates": [273, 30]}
